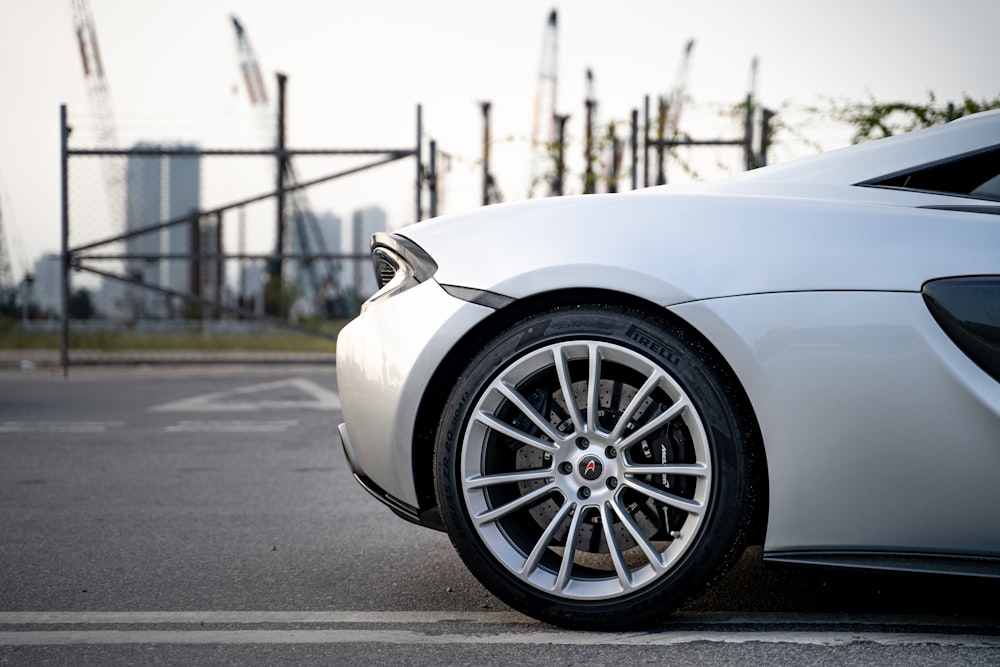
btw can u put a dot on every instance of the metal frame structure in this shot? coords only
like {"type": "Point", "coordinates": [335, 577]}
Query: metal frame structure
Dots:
{"type": "Point", "coordinates": [77, 257]}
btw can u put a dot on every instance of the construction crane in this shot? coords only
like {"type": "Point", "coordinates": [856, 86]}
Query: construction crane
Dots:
{"type": "Point", "coordinates": [671, 106]}
{"type": "Point", "coordinates": [305, 229]}
{"type": "Point", "coordinates": [248, 66]}
{"type": "Point", "coordinates": [99, 97]}
{"type": "Point", "coordinates": [543, 127]}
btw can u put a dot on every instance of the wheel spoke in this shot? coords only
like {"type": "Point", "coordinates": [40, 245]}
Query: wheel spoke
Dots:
{"type": "Point", "coordinates": [546, 538]}
{"type": "Point", "coordinates": [566, 386]}
{"type": "Point", "coordinates": [480, 481]}
{"type": "Point", "coordinates": [677, 502]}
{"type": "Point", "coordinates": [511, 432]}
{"type": "Point", "coordinates": [614, 547]}
{"type": "Point", "coordinates": [648, 549]}
{"type": "Point", "coordinates": [640, 396]}
{"type": "Point", "coordinates": [593, 387]}
{"type": "Point", "coordinates": [529, 411]}
{"type": "Point", "coordinates": [521, 501]}
{"type": "Point", "coordinates": [699, 470]}
{"type": "Point", "coordinates": [653, 424]}
{"type": "Point", "coordinates": [563, 579]}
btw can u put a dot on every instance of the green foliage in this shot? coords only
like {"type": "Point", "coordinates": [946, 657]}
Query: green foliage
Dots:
{"type": "Point", "coordinates": [80, 306]}
{"type": "Point", "coordinates": [13, 336]}
{"type": "Point", "coordinates": [874, 119]}
{"type": "Point", "coordinates": [279, 296]}
{"type": "Point", "coordinates": [8, 303]}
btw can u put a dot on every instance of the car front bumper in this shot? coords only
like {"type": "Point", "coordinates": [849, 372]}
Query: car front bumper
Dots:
{"type": "Point", "coordinates": [385, 359]}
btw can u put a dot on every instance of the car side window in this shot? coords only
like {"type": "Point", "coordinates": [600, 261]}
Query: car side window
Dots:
{"type": "Point", "coordinates": [974, 175]}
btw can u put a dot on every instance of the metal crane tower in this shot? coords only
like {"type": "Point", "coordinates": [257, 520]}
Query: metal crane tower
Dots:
{"type": "Point", "coordinates": [669, 117]}
{"type": "Point", "coordinates": [678, 96]}
{"type": "Point", "coordinates": [306, 232]}
{"type": "Point", "coordinates": [99, 96]}
{"type": "Point", "coordinates": [248, 65]}
{"type": "Point", "coordinates": [543, 129]}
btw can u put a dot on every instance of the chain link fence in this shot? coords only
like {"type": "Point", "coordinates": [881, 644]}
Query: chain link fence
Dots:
{"type": "Point", "coordinates": [169, 232]}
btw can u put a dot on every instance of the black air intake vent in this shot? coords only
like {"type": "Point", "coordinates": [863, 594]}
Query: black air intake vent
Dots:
{"type": "Point", "coordinates": [385, 267]}
{"type": "Point", "coordinates": [968, 309]}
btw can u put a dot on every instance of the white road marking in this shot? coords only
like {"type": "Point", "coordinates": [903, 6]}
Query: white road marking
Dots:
{"type": "Point", "coordinates": [235, 617]}
{"type": "Point", "coordinates": [243, 426]}
{"type": "Point", "coordinates": [675, 635]}
{"type": "Point", "coordinates": [58, 427]}
{"type": "Point", "coordinates": [253, 398]}
{"type": "Point", "coordinates": [550, 637]}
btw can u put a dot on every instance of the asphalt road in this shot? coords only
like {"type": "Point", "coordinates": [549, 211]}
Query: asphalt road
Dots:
{"type": "Point", "coordinates": [206, 516]}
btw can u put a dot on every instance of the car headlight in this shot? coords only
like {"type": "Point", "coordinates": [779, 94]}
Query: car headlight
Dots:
{"type": "Point", "coordinates": [399, 264]}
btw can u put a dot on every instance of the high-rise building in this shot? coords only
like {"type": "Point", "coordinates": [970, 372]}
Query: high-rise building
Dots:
{"type": "Point", "coordinates": [159, 188]}
{"type": "Point", "coordinates": [181, 196]}
{"type": "Point", "coordinates": [142, 209]}
{"type": "Point", "coordinates": [330, 225]}
{"type": "Point", "coordinates": [46, 289]}
{"type": "Point", "coordinates": [331, 301]}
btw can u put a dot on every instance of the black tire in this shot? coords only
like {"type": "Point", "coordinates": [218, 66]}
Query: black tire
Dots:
{"type": "Point", "coordinates": [656, 491]}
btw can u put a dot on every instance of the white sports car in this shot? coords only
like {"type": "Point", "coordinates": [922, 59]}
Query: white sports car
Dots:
{"type": "Point", "coordinates": [604, 399]}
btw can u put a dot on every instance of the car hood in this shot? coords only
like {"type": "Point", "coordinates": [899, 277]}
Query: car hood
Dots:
{"type": "Point", "coordinates": [796, 227]}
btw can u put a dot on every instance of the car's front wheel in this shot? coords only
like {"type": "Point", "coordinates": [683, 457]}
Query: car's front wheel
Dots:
{"type": "Point", "coordinates": [594, 467]}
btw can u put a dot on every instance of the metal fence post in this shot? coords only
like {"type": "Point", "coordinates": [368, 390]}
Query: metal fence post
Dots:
{"type": "Point", "coordinates": [486, 152]}
{"type": "Point", "coordinates": [419, 150]}
{"type": "Point", "coordinates": [64, 131]}
{"type": "Point", "coordinates": [279, 245]}
{"type": "Point", "coordinates": [645, 145]}
{"type": "Point", "coordinates": [635, 149]}
{"type": "Point", "coordinates": [432, 179]}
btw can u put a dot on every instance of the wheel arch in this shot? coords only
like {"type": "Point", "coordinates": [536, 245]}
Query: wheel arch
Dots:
{"type": "Point", "coordinates": [448, 371]}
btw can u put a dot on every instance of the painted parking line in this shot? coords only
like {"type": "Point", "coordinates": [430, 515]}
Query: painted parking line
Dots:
{"type": "Point", "coordinates": [517, 630]}
{"type": "Point", "coordinates": [58, 427]}
{"type": "Point", "coordinates": [294, 393]}
{"type": "Point", "coordinates": [545, 638]}
{"type": "Point", "coordinates": [232, 426]}
{"type": "Point", "coordinates": [253, 617]}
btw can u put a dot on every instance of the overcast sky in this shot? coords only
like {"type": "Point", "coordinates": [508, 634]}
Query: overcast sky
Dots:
{"type": "Point", "coordinates": [358, 69]}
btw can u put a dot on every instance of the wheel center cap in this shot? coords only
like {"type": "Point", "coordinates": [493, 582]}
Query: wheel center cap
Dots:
{"type": "Point", "coordinates": [591, 468]}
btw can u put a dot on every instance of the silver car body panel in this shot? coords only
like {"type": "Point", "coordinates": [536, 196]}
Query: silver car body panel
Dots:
{"type": "Point", "coordinates": [385, 359]}
{"type": "Point", "coordinates": [879, 433]}
{"type": "Point", "coordinates": [671, 248]}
